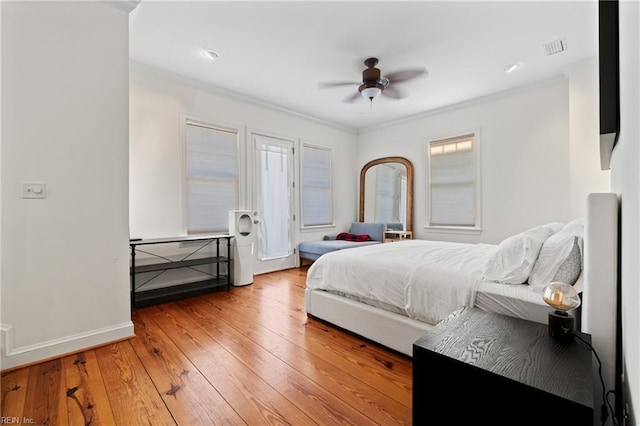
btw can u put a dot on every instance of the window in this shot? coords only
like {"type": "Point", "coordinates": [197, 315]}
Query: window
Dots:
{"type": "Point", "coordinates": [317, 204]}
{"type": "Point", "coordinates": [453, 198]}
{"type": "Point", "coordinates": [211, 177]}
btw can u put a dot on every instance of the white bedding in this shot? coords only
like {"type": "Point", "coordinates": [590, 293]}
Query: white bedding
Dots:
{"type": "Point", "coordinates": [425, 280]}
{"type": "Point", "coordinates": [520, 301]}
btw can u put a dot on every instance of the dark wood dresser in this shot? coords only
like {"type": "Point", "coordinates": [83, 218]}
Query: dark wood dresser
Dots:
{"type": "Point", "coordinates": [477, 367]}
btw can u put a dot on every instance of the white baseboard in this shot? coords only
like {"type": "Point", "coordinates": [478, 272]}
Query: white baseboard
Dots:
{"type": "Point", "coordinates": [15, 357]}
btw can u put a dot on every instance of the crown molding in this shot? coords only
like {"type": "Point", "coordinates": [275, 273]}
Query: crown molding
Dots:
{"type": "Point", "coordinates": [124, 5]}
{"type": "Point", "coordinates": [561, 79]}
{"type": "Point", "coordinates": [143, 68]}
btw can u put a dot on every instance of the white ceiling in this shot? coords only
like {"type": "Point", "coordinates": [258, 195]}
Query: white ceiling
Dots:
{"type": "Point", "coordinates": [279, 52]}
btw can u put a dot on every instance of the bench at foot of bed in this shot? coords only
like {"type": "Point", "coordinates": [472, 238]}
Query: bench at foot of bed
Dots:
{"type": "Point", "coordinates": [312, 250]}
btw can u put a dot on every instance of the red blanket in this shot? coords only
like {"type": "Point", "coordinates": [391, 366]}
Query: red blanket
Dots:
{"type": "Point", "coordinates": [351, 237]}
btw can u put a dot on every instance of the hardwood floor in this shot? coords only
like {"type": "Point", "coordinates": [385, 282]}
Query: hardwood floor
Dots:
{"type": "Point", "coordinates": [245, 356]}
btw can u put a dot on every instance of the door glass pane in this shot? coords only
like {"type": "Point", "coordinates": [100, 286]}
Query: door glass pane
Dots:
{"type": "Point", "coordinates": [274, 199]}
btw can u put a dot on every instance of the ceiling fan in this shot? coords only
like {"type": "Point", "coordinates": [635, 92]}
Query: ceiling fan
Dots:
{"type": "Point", "coordinates": [373, 84]}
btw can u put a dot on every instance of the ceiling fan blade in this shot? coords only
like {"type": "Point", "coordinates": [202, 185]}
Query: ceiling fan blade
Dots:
{"type": "Point", "coordinates": [405, 75]}
{"type": "Point", "coordinates": [392, 92]}
{"type": "Point", "coordinates": [353, 98]}
{"type": "Point", "coordinates": [329, 85]}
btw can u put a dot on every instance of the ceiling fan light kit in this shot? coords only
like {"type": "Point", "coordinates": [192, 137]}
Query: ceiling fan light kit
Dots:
{"type": "Point", "coordinates": [370, 92]}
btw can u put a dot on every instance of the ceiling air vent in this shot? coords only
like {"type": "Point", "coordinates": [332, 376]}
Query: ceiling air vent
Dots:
{"type": "Point", "coordinates": [556, 46]}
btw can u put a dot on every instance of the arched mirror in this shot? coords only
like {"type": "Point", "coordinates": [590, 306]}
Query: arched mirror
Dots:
{"type": "Point", "coordinates": [386, 192]}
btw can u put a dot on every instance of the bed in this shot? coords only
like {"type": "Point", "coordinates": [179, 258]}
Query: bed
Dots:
{"type": "Point", "coordinates": [375, 291]}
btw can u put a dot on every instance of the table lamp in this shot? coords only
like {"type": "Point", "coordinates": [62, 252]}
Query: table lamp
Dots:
{"type": "Point", "coordinates": [563, 298]}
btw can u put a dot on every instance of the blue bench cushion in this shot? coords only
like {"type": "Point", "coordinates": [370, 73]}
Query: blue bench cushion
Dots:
{"type": "Point", "coordinates": [373, 230]}
{"type": "Point", "coordinates": [322, 247]}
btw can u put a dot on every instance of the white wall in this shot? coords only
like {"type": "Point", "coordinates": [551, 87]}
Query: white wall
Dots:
{"type": "Point", "coordinates": [625, 180]}
{"type": "Point", "coordinates": [525, 158]}
{"type": "Point", "coordinates": [157, 99]}
{"type": "Point", "coordinates": [3, 329]}
{"type": "Point", "coordinates": [65, 281]}
{"type": "Point", "coordinates": [585, 174]}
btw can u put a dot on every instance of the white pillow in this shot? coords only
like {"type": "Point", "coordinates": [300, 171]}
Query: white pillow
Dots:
{"type": "Point", "coordinates": [514, 258]}
{"type": "Point", "coordinates": [554, 227]}
{"type": "Point", "coordinates": [560, 258]}
{"type": "Point", "coordinates": [576, 226]}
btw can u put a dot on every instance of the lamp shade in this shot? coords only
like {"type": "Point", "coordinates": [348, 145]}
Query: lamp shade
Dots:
{"type": "Point", "coordinates": [561, 296]}
{"type": "Point", "coordinates": [371, 92]}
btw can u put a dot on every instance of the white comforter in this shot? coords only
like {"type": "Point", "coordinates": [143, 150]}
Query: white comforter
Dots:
{"type": "Point", "coordinates": [426, 280]}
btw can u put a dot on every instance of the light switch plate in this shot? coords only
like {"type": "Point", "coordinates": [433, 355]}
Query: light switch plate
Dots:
{"type": "Point", "coordinates": [34, 190]}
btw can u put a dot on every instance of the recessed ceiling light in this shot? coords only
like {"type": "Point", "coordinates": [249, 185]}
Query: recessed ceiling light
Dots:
{"type": "Point", "coordinates": [511, 68]}
{"type": "Point", "coordinates": [211, 54]}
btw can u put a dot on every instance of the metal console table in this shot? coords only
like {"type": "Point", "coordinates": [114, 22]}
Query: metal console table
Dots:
{"type": "Point", "coordinates": [175, 292]}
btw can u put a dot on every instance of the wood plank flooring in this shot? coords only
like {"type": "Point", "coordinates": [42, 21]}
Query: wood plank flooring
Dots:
{"type": "Point", "coordinates": [245, 356]}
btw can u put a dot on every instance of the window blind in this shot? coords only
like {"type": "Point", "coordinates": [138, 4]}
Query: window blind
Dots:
{"type": "Point", "coordinates": [317, 204]}
{"type": "Point", "coordinates": [211, 176]}
{"type": "Point", "coordinates": [452, 183]}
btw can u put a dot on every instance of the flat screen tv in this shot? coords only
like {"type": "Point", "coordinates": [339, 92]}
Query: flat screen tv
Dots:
{"type": "Point", "coordinates": [609, 79]}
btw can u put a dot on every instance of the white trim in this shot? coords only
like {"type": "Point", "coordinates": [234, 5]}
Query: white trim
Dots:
{"type": "Point", "coordinates": [469, 103]}
{"type": "Point", "coordinates": [140, 67]}
{"type": "Point", "coordinates": [13, 357]}
{"type": "Point", "coordinates": [454, 230]}
{"type": "Point", "coordinates": [219, 91]}
{"type": "Point", "coordinates": [6, 343]}
{"type": "Point", "coordinates": [273, 264]}
{"type": "Point", "coordinates": [317, 228]}
{"type": "Point", "coordinates": [272, 135]}
{"type": "Point", "coordinates": [124, 5]}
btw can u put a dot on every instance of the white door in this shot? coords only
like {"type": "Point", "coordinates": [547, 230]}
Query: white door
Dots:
{"type": "Point", "coordinates": [274, 172]}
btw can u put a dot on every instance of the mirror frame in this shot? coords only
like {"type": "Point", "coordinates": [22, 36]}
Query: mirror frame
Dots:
{"type": "Point", "coordinates": [384, 160]}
